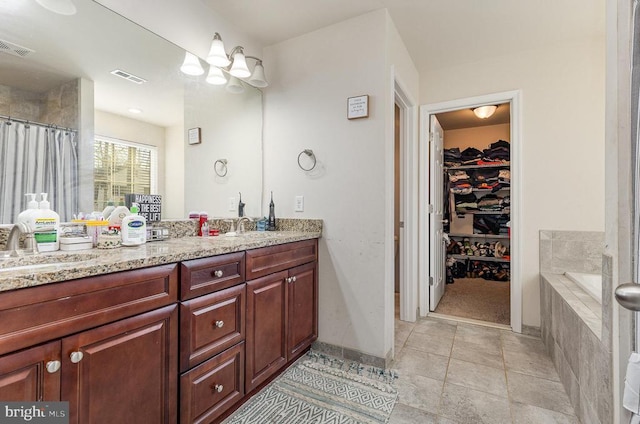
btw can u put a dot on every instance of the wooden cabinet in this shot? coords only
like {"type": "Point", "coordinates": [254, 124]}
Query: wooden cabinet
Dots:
{"type": "Point", "coordinates": [282, 308]}
{"type": "Point", "coordinates": [212, 334]}
{"type": "Point", "coordinates": [109, 346]}
{"type": "Point", "coordinates": [31, 374]}
{"type": "Point", "coordinates": [123, 372]}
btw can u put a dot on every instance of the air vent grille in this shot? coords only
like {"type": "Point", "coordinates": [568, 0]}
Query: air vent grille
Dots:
{"type": "Point", "coordinates": [128, 76]}
{"type": "Point", "coordinates": [14, 49]}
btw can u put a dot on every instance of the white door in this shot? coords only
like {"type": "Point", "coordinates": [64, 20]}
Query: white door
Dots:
{"type": "Point", "coordinates": [436, 200]}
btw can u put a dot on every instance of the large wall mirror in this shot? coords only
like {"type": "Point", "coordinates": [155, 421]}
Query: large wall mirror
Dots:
{"type": "Point", "coordinates": [58, 69]}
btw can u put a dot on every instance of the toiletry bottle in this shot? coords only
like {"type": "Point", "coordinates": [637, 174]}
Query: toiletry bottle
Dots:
{"type": "Point", "coordinates": [32, 206]}
{"type": "Point", "coordinates": [205, 229]}
{"type": "Point", "coordinates": [240, 207]}
{"type": "Point", "coordinates": [115, 219]}
{"type": "Point", "coordinates": [271, 223]}
{"type": "Point", "coordinates": [133, 228]}
{"type": "Point", "coordinates": [106, 212]}
{"type": "Point", "coordinates": [204, 218]}
{"type": "Point", "coordinates": [46, 224]}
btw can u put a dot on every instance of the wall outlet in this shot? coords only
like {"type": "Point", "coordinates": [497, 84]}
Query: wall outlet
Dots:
{"type": "Point", "coordinates": [233, 205]}
{"type": "Point", "coordinates": [299, 204]}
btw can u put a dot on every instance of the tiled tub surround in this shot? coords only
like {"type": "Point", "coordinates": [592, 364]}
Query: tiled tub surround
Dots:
{"type": "Point", "coordinates": [575, 328]}
{"type": "Point", "coordinates": [62, 266]}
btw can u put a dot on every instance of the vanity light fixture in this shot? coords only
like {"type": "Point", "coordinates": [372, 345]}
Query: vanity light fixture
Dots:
{"type": "Point", "coordinates": [234, 85]}
{"type": "Point", "coordinates": [61, 7]}
{"type": "Point", "coordinates": [135, 110]}
{"type": "Point", "coordinates": [235, 63]}
{"type": "Point", "coordinates": [484, 112]}
{"type": "Point", "coordinates": [191, 65]}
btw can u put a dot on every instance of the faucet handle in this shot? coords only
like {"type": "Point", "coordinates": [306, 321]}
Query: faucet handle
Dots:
{"type": "Point", "coordinates": [232, 229]}
{"type": "Point", "coordinates": [30, 244]}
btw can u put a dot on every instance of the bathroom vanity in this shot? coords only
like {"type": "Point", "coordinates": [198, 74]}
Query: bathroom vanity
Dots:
{"type": "Point", "coordinates": [179, 330]}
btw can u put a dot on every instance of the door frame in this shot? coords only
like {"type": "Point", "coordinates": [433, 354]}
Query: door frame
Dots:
{"type": "Point", "coordinates": [408, 243]}
{"type": "Point", "coordinates": [514, 98]}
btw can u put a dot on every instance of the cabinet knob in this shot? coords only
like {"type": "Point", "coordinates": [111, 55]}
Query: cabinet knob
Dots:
{"type": "Point", "coordinates": [218, 388]}
{"type": "Point", "coordinates": [76, 357]}
{"type": "Point", "coordinates": [218, 273]}
{"type": "Point", "coordinates": [53, 366]}
{"type": "Point", "coordinates": [218, 324]}
{"type": "Point", "coordinates": [288, 279]}
{"type": "Point", "coordinates": [293, 278]}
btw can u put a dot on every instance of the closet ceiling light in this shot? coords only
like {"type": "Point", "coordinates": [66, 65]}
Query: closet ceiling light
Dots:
{"type": "Point", "coordinates": [484, 112]}
{"type": "Point", "coordinates": [234, 63]}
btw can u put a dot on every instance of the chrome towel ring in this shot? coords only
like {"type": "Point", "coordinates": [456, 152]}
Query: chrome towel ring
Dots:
{"type": "Point", "coordinates": [220, 167]}
{"type": "Point", "coordinates": [311, 156]}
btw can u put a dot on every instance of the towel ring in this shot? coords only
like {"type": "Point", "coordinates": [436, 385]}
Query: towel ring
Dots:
{"type": "Point", "coordinates": [223, 167]}
{"type": "Point", "coordinates": [311, 155]}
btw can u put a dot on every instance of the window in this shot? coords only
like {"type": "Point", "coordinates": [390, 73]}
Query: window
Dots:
{"type": "Point", "coordinates": [122, 167]}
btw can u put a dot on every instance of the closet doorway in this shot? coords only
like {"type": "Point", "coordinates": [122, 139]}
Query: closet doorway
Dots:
{"type": "Point", "coordinates": [470, 225]}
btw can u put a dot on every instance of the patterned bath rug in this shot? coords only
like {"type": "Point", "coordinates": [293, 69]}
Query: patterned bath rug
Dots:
{"type": "Point", "coordinates": [320, 389]}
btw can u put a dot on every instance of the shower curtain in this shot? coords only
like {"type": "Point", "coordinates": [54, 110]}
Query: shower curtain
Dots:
{"type": "Point", "coordinates": [37, 159]}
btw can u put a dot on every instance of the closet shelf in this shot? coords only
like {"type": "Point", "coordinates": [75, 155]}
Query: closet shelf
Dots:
{"type": "Point", "coordinates": [481, 212]}
{"type": "Point", "coordinates": [480, 236]}
{"type": "Point", "coordinates": [479, 258]}
{"type": "Point", "coordinates": [453, 168]}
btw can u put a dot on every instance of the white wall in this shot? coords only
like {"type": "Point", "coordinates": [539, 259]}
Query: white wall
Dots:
{"type": "Point", "coordinates": [562, 138]}
{"type": "Point", "coordinates": [174, 206]}
{"type": "Point", "coordinates": [305, 108]}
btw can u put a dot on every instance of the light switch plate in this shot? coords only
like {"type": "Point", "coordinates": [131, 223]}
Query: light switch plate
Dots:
{"type": "Point", "coordinates": [299, 204]}
{"type": "Point", "coordinates": [232, 204]}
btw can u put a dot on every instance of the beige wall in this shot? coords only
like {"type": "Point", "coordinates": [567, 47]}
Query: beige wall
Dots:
{"type": "Point", "coordinates": [477, 137]}
{"type": "Point", "coordinates": [562, 138]}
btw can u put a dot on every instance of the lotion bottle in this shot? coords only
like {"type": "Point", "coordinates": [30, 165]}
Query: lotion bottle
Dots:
{"type": "Point", "coordinates": [32, 206]}
{"type": "Point", "coordinates": [133, 228]}
{"type": "Point", "coordinates": [45, 224]}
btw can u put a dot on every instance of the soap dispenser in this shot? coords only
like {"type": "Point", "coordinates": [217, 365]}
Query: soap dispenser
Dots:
{"type": "Point", "coordinates": [32, 206]}
{"type": "Point", "coordinates": [45, 223]}
{"type": "Point", "coordinates": [240, 207]}
{"type": "Point", "coordinates": [271, 223]}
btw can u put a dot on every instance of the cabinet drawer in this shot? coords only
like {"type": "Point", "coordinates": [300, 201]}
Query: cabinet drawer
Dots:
{"type": "Point", "coordinates": [38, 314]}
{"type": "Point", "coordinates": [206, 275]}
{"type": "Point", "coordinates": [210, 389]}
{"type": "Point", "coordinates": [267, 260]}
{"type": "Point", "coordinates": [210, 324]}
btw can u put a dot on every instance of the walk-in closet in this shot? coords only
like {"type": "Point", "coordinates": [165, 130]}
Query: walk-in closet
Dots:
{"type": "Point", "coordinates": [477, 203]}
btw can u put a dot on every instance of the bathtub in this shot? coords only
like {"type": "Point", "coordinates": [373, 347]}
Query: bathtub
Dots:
{"type": "Point", "coordinates": [591, 283]}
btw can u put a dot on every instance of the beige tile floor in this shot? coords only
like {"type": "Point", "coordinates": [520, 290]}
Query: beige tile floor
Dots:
{"type": "Point", "coordinates": [455, 373]}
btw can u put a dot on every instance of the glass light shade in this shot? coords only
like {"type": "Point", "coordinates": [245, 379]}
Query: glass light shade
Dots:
{"type": "Point", "coordinates": [191, 65]}
{"type": "Point", "coordinates": [484, 112]}
{"type": "Point", "coordinates": [239, 68]}
{"type": "Point", "coordinates": [216, 76]}
{"type": "Point", "coordinates": [217, 55]}
{"type": "Point", "coordinates": [257, 78]}
{"type": "Point", "coordinates": [234, 86]}
{"type": "Point", "coordinates": [61, 7]}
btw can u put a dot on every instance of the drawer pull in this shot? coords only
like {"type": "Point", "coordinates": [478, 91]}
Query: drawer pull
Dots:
{"type": "Point", "coordinates": [76, 357]}
{"type": "Point", "coordinates": [217, 388]}
{"type": "Point", "coordinates": [293, 278]}
{"type": "Point", "coordinates": [53, 366]}
{"type": "Point", "coordinates": [218, 273]}
{"type": "Point", "coordinates": [218, 324]}
{"type": "Point", "coordinates": [288, 279]}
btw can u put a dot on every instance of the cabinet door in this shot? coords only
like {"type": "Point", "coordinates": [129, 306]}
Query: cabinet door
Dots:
{"type": "Point", "coordinates": [266, 349]}
{"type": "Point", "coordinates": [31, 375]}
{"type": "Point", "coordinates": [303, 308]}
{"type": "Point", "coordinates": [123, 372]}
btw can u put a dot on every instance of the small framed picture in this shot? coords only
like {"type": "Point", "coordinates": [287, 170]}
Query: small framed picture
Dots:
{"type": "Point", "coordinates": [358, 107]}
{"type": "Point", "coordinates": [194, 135]}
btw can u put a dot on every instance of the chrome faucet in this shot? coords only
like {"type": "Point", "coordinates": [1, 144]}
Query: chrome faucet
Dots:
{"type": "Point", "coordinates": [13, 242]}
{"type": "Point", "coordinates": [241, 222]}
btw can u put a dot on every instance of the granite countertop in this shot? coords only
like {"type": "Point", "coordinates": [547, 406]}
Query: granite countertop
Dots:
{"type": "Point", "coordinates": [62, 266]}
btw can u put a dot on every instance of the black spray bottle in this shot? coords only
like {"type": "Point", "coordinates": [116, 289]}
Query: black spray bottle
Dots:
{"type": "Point", "coordinates": [271, 224]}
{"type": "Point", "coordinates": [240, 207]}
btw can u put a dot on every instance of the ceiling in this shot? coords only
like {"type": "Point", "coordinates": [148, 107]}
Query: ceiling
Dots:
{"type": "Point", "coordinates": [437, 33]}
{"type": "Point", "coordinates": [465, 118]}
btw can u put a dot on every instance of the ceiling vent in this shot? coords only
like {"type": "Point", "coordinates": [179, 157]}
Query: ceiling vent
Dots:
{"type": "Point", "coordinates": [129, 77]}
{"type": "Point", "coordinates": [14, 49]}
